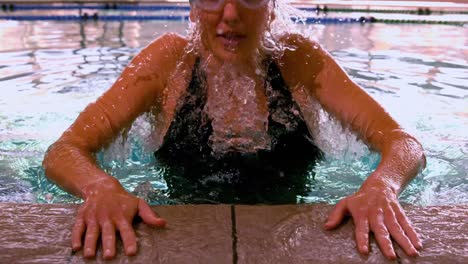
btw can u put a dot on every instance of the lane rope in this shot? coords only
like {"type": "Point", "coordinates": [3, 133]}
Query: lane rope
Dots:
{"type": "Point", "coordinates": [307, 20]}
{"type": "Point", "coordinates": [184, 7]}
{"type": "Point", "coordinates": [9, 9]}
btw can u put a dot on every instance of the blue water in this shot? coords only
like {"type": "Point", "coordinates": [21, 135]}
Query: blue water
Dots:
{"type": "Point", "coordinates": [49, 71]}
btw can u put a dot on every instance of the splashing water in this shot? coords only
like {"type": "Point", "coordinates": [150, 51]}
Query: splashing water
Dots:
{"type": "Point", "coordinates": [394, 63]}
{"type": "Point", "coordinates": [237, 119]}
{"type": "Point", "coordinates": [238, 122]}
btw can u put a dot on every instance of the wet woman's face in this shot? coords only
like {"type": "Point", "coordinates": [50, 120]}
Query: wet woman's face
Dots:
{"type": "Point", "coordinates": [233, 32]}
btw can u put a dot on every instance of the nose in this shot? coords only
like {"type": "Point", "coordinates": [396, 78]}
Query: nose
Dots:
{"type": "Point", "coordinates": [230, 12]}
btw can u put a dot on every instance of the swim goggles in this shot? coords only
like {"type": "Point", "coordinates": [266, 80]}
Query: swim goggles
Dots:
{"type": "Point", "coordinates": [215, 5]}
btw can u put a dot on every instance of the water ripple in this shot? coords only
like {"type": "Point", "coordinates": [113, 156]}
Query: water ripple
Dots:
{"type": "Point", "coordinates": [51, 70]}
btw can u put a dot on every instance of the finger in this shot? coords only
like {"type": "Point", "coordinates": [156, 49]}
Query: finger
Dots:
{"type": "Point", "coordinates": [128, 237]}
{"type": "Point", "coordinates": [398, 234]}
{"type": "Point", "coordinates": [108, 240]}
{"type": "Point", "coordinates": [407, 227]}
{"type": "Point", "coordinates": [148, 215]}
{"type": "Point", "coordinates": [92, 234]}
{"type": "Point", "coordinates": [362, 234]}
{"type": "Point", "coordinates": [77, 233]}
{"type": "Point", "coordinates": [337, 215]}
{"type": "Point", "coordinates": [382, 236]}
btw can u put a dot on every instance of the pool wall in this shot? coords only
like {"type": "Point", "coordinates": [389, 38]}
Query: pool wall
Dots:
{"type": "Point", "coordinates": [33, 233]}
{"type": "Point", "coordinates": [316, 12]}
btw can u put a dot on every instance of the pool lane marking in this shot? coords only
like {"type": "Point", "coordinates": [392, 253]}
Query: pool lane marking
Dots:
{"type": "Point", "coordinates": [306, 20]}
{"type": "Point", "coordinates": [136, 7]}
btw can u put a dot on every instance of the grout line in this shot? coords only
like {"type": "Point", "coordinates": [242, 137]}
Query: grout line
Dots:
{"type": "Point", "coordinates": [398, 259]}
{"type": "Point", "coordinates": [234, 235]}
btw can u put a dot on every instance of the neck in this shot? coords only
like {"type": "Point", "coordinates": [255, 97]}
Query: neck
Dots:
{"type": "Point", "coordinates": [252, 66]}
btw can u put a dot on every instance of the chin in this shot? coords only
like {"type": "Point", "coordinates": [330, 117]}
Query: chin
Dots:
{"type": "Point", "coordinates": [237, 56]}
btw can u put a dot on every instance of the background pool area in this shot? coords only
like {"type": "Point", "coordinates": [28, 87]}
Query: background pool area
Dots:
{"type": "Point", "coordinates": [50, 70]}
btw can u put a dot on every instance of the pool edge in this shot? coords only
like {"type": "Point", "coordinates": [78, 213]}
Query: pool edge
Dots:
{"type": "Point", "coordinates": [41, 233]}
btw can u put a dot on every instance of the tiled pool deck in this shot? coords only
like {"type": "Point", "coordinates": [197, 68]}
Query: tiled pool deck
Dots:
{"type": "Point", "coordinates": [33, 233]}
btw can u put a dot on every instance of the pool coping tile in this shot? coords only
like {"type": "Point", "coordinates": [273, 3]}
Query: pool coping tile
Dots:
{"type": "Point", "coordinates": [40, 233]}
{"type": "Point", "coordinates": [33, 233]}
{"type": "Point", "coordinates": [295, 234]}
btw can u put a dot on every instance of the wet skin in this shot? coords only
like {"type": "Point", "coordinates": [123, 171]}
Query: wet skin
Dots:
{"type": "Point", "coordinates": [148, 84]}
{"type": "Point", "coordinates": [233, 33]}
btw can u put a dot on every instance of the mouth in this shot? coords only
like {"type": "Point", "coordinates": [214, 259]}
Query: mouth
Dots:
{"type": "Point", "coordinates": [230, 40]}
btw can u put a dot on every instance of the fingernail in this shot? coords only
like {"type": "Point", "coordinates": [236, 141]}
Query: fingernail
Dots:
{"type": "Point", "coordinates": [107, 253]}
{"type": "Point", "coordinates": [161, 222]}
{"type": "Point", "coordinates": [365, 249]}
{"type": "Point", "coordinates": [88, 252]}
{"type": "Point", "coordinates": [131, 249]}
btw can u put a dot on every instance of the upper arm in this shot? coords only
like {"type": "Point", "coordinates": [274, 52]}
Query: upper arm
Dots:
{"type": "Point", "coordinates": [308, 65]}
{"type": "Point", "coordinates": [138, 87]}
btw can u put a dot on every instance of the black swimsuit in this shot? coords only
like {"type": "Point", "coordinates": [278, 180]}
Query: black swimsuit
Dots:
{"type": "Point", "coordinates": [195, 175]}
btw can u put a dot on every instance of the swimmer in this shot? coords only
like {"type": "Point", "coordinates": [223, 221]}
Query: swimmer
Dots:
{"type": "Point", "coordinates": [233, 97]}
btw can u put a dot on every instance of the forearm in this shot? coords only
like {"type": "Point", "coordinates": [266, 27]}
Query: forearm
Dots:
{"type": "Point", "coordinates": [402, 157]}
{"type": "Point", "coordinates": [75, 170]}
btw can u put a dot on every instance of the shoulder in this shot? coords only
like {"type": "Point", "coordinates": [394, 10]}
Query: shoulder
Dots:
{"type": "Point", "coordinates": [162, 57]}
{"type": "Point", "coordinates": [300, 59]}
{"type": "Point", "coordinates": [297, 45]}
{"type": "Point", "coordinates": [167, 46]}
{"type": "Point", "coordinates": [294, 39]}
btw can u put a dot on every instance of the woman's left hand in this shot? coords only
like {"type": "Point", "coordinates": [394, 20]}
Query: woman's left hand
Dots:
{"type": "Point", "coordinates": [377, 210]}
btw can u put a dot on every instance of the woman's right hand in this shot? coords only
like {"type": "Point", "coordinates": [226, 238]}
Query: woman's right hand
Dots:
{"type": "Point", "coordinates": [106, 210]}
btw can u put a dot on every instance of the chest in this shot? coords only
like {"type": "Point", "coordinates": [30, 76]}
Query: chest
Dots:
{"type": "Point", "coordinates": [238, 113]}
{"type": "Point", "coordinates": [239, 101]}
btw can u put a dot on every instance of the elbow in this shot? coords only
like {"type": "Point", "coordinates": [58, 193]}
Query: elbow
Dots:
{"type": "Point", "coordinates": [52, 159]}
{"type": "Point", "coordinates": [60, 157]}
{"type": "Point", "coordinates": [422, 157]}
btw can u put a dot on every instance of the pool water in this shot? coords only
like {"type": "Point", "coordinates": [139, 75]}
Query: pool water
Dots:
{"type": "Point", "coordinates": [49, 71]}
